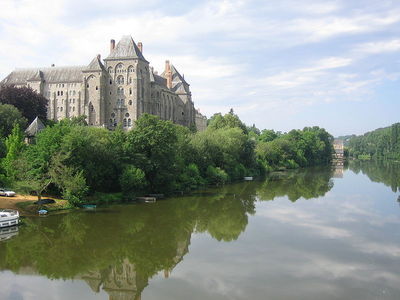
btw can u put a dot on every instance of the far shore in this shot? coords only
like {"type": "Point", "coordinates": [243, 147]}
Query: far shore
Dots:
{"type": "Point", "coordinates": [25, 204]}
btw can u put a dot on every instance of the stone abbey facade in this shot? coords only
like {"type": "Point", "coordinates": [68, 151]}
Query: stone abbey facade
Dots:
{"type": "Point", "coordinates": [115, 92]}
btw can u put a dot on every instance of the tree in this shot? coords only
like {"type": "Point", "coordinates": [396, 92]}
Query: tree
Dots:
{"type": "Point", "coordinates": [14, 145]}
{"type": "Point", "coordinates": [9, 116]}
{"type": "Point", "coordinates": [26, 100]}
{"type": "Point", "coordinates": [152, 145]}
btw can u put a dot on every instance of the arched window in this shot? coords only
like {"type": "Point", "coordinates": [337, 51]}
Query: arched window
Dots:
{"type": "Point", "coordinates": [120, 91]}
{"type": "Point", "coordinates": [130, 91]}
{"type": "Point", "coordinates": [125, 123]}
{"type": "Point", "coordinates": [120, 79]}
{"type": "Point", "coordinates": [131, 69]}
{"type": "Point", "coordinates": [110, 70]}
{"type": "Point", "coordinates": [130, 80]}
{"type": "Point", "coordinates": [129, 123]}
{"type": "Point", "coordinates": [119, 68]}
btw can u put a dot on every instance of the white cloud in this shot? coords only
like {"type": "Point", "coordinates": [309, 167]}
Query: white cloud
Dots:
{"type": "Point", "coordinates": [378, 47]}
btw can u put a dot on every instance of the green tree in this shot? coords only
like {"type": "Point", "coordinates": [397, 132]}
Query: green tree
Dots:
{"type": "Point", "coordinates": [26, 100]}
{"type": "Point", "coordinates": [14, 145]}
{"type": "Point", "coordinates": [9, 116]}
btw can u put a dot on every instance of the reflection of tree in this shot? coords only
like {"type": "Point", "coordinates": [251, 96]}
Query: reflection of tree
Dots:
{"type": "Point", "coordinates": [385, 171]}
{"type": "Point", "coordinates": [308, 183]}
{"type": "Point", "coordinates": [120, 248]}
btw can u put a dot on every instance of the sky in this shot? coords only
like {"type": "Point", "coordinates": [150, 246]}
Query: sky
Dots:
{"type": "Point", "coordinates": [279, 64]}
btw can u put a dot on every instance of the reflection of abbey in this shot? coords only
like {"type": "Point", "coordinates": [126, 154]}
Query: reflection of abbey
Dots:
{"type": "Point", "coordinates": [116, 92]}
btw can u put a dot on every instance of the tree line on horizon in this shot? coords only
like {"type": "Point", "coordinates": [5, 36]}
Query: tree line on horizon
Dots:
{"type": "Point", "coordinates": [71, 159]}
{"type": "Point", "coordinates": [381, 143]}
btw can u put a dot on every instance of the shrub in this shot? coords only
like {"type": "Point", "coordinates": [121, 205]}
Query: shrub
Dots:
{"type": "Point", "coordinates": [216, 175]}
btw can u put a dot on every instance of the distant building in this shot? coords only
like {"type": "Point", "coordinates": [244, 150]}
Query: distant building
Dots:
{"type": "Point", "coordinates": [115, 91]}
{"type": "Point", "coordinates": [338, 155]}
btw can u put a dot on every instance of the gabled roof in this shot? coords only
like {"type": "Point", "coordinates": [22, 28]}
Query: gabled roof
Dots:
{"type": "Point", "coordinates": [126, 48]}
{"type": "Point", "coordinates": [38, 76]}
{"type": "Point", "coordinates": [95, 65]}
{"type": "Point", "coordinates": [179, 84]}
{"type": "Point", "coordinates": [157, 79]}
{"type": "Point", "coordinates": [50, 75]}
{"type": "Point", "coordinates": [35, 127]}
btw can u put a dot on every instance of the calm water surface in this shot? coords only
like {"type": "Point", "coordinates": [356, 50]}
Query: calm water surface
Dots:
{"type": "Point", "coordinates": [309, 234]}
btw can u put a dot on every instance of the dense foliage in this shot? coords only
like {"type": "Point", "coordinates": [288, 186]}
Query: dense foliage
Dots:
{"type": "Point", "coordinates": [298, 148]}
{"type": "Point", "coordinates": [74, 160]}
{"type": "Point", "coordinates": [26, 100]}
{"type": "Point", "coordinates": [380, 143]}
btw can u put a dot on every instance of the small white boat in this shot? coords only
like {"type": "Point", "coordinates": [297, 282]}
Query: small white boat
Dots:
{"type": "Point", "coordinates": [8, 217]}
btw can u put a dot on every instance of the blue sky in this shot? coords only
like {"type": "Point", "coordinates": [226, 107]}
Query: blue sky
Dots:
{"type": "Point", "coordinates": [279, 64]}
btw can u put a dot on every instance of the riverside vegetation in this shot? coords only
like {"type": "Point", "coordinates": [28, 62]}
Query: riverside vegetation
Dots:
{"type": "Point", "coordinates": [88, 164]}
{"type": "Point", "coordinates": [378, 144]}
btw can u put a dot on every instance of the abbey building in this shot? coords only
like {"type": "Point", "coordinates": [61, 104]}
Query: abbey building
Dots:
{"type": "Point", "coordinates": [116, 91]}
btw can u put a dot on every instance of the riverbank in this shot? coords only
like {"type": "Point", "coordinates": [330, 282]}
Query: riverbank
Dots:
{"type": "Point", "coordinates": [26, 207]}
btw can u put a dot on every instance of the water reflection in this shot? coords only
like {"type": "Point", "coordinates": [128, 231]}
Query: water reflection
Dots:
{"type": "Point", "coordinates": [118, 250]}
{"type": "Point", "coordinates": [8, 232]}
{"type": "Point", "coordinates": [308, 183]}
{"type": "Point", "coordinates": [384, 171]}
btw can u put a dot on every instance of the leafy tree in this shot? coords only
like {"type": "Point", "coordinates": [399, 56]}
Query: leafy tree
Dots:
{"type": "Point", "coordinates": [26, 100]}
{"type": "Point", "coordinates": [229, 120]}
{"type": "Point", "coordinates": [14, 145]}
{"type": "Point", "coordinates": [132, 181]}
{"type": "Point", "coordinates": [9, 116]}
{"type": "Point", "coordinates": [153, 144]}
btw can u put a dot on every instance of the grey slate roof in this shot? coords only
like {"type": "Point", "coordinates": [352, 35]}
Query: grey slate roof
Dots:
{"type": "Point", "coordinates": [35, 127]}
{"type": "Point", "coordinates": [126, 48]}
{"type": "Point", "coordinates": [95, 65]}
{"type": "Point", "coordinates": [50, 75]}
{"type": "Point", "coordinates": [179, 84]}
{"type": "Point", "coordinates": [38, 76]}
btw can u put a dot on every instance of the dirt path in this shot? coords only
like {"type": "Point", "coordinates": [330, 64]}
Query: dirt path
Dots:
{"type": "Point", "coordinates": [11, 202]}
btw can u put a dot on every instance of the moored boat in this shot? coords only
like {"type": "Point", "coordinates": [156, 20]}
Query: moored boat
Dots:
{"type": "Point", "coordinates": [8, 217]}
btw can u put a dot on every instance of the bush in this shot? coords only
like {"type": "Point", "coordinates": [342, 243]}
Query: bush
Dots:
{"type": "Point", "coordinates": [216, 175]}
{"type": "Point", "coordinates": [190, 178]}
{"type": "Point", "coordinates": [132, 181]}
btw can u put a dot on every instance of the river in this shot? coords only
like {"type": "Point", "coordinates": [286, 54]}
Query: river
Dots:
{"type": "Point", "coordinates": [316, 233]}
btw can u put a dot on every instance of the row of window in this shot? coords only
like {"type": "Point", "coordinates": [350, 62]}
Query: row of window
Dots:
{"type": "Point", "coordinates": [120, 91]}
{"type": "Point", "coordinates": [126, 122]}
{"type": "Point", "coordinates": [61, 85]}
{"type": "Point", "coordinates": [59, 109]}
{"type": "Point", "coordinates": [120, 69]}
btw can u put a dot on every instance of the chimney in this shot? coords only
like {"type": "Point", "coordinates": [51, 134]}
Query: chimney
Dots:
{"type": "Point", "coordinates": [168, 74]}
{"type": "Point", "coordinates": [112, 45]}
{"type": "Point", "coordinates": [140, 46]}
